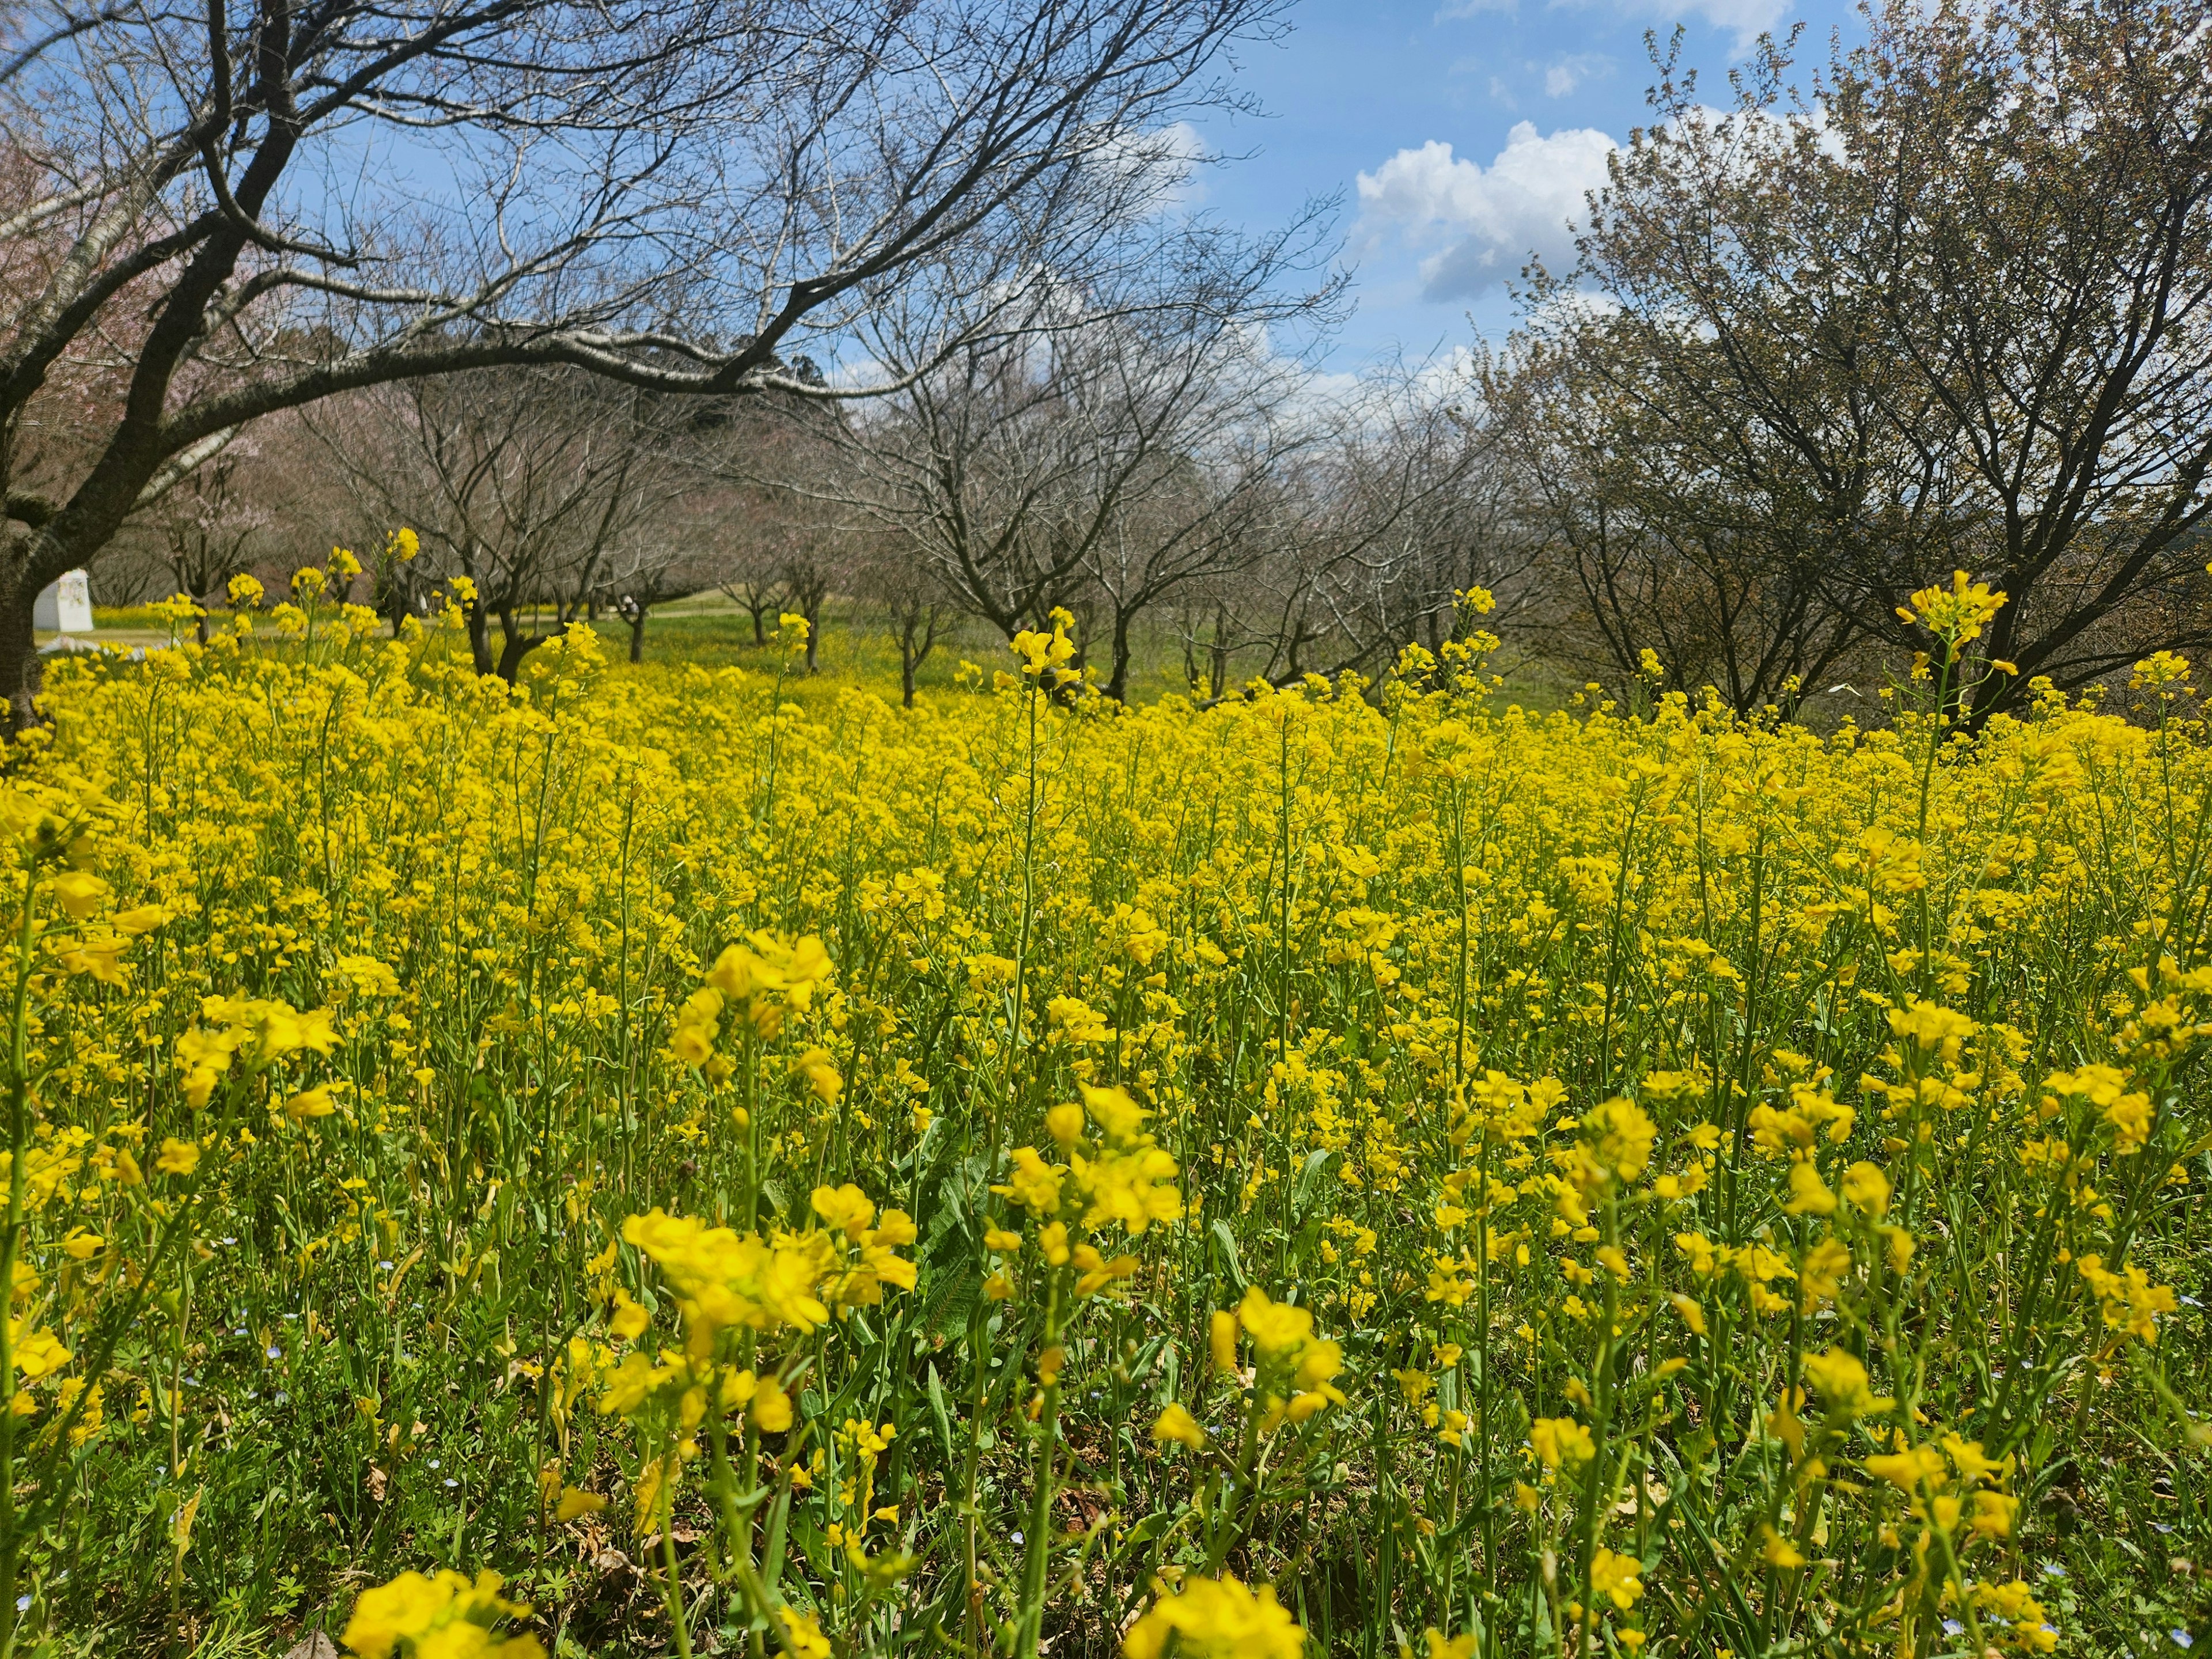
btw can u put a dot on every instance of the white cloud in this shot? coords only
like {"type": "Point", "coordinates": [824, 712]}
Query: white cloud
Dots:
{"type": "Point", "coordinates": [1480, 224]}
{"type": "Point", "coordinates": [1749, 19]}
{"type": "Point", "coordinates": [1164, 163]}
{"type": "Point", "coordinates": [1564, 77]}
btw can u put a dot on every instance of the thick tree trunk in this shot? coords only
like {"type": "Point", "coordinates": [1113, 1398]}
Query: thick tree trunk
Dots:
{"type": "Point", "coordinates": [516, 642]}
{"type": "Point", "coordinates": [480, 638]}
{"type": "Point", "coordinates": [20, 663]}
{"type": "Point", "coordinates": [908, 658]}
{"type": "Point", "coordinates": [1118, 687]}
{"type": "Point", "coordinates": [637, 637]}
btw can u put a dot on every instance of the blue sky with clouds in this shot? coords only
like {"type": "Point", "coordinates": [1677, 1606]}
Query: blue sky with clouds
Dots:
{"type": "Point", "coordinates": [1460, 134]}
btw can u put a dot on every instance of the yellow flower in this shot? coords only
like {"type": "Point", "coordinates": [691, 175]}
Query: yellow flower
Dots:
{"type": "Point", "coordinates": [768, 965]}
{"type": "Point", "coordinates": [771, 1406]}
{"type": "Point", "coordinates": [309, 1102]}
{"type": "Point", "coordinates": [1177, 1425]}
{"type": "Point", "coordinates": [1053, 1241]}
{"type": "Point", "coordinates": [78, 892]}
{"type": "Point", "coordinates": [1617, 1576]}
{"type": "Point", "coordinates": [1809, 1194]}
{"type": "Point", "coordinates": [1560, 1442]}
{"type": "Point", "coordinates": [1221, 1340]}
{"type": "Point", "coordinates": [803, 1634]}
{"type": "Point", "coordinates": [1993, 1514]}
{"type": "Point", "coordinates": [442, 1618]}
{"type": "Point", "coordinates": [1956, 615]}
{"type": "Point", "coordinates": [847, 1208]}
{"type": "Point", "coordinates": [628, 1320]}
{"type": "Point", "coordinates": [100, 958]}
{"type": "Point", "coordinates": [1623, 1136]}
{"type": "Point", "coordinates": [1275, 1328]}
{"type": "Point", "coordinates": [1932, 1027]}
{"type": "Point", "coordinates": [2129, 1301]}
{"type": "Point", "coordinates": [630, 1384]}
{"type": "Point", "coordinates": [1128, 1187]}
{"type": "Point", "coordinates": [1866, 1188]}
{"type": "Point", "coordinates": [575, 1503]}
{"type": "Point", "coordinates": [1033, 1184]}
{"type": "Point", "coordinates": [1118, 1118]}
{"type": "Point", "coordinates": [725, 1279]}
{"type": "Point", "coordinates": [178, 1157]}
{"type": "Point", "coordinates": [822, 1078]}
{"type": "Point", "coordinates": [1908, 1469]}
{"type": "Point", "coordinates": [651, 1488]}
{"type": "Point", "coordinates": [1688, 1312]}
{"type": "Point", "coordinates": [1842, 1381]}
{"type": "Point", "coordinates": [1216, 1619]}
{"type": "Point", "coordinates": [37, 1353]}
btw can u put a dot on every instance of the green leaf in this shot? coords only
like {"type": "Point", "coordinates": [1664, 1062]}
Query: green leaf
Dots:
{"type": "Point", "coordinates": [1231, 1262]}
{"type": "Point", "coordinates": [940, 1411]}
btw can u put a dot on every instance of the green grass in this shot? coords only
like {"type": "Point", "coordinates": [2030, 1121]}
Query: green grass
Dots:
{"type": "Point", "coordinates": [857, 648]}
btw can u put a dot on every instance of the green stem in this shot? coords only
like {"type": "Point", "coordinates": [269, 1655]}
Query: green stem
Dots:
{"type": "Point", "coordinates": [10, 1245]}
{"type": "Point", "coordinates": [1036, 1549]}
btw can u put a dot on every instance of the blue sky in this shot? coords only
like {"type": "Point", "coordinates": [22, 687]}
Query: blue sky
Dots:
{"type": "Point", "coordinates": [1460, 134]}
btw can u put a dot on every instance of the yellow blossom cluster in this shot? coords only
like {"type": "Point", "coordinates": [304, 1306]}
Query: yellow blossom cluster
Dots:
{"type": "Point", "coordinates": [757, 1167]}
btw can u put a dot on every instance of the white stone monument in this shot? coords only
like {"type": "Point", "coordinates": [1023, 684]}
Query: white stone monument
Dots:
{"type": "Point", "coordinates": [65, 606]}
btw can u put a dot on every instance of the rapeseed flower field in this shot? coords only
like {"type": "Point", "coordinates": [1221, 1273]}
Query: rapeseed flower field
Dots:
{"type": "Point", "coordinates": [663, 1162]}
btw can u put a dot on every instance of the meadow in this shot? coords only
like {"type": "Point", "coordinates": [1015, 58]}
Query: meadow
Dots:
{"type": "Point", "coordinates": [680, 1160]}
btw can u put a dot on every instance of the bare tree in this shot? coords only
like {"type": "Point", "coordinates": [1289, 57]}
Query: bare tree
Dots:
{"type": "Point", "coordinates": [681, 194]}
{"type": "Point", "coordinates": [657, 564]}
{"type": "Point", "coordinates": [530, 483]}
{"type": "Point", "coordinates": [1681, 529]}
{"type": "Point", "coordinates": [203, 528]}
{"type": "Point", "coordinates": [754, 584]}
{"type": "Point", "coordinates": [919, 615]}
{"type": "Point", "coordinates": [1116, 450]}
{"type": "Point", "coordinates": [782, 546]}
{"type": "Point", "coordinates": [1376, 534]}
{"type": "Point", "coordinates": [2030, 188]}
{"type": "Point", "coordinates": [1955, 311]}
